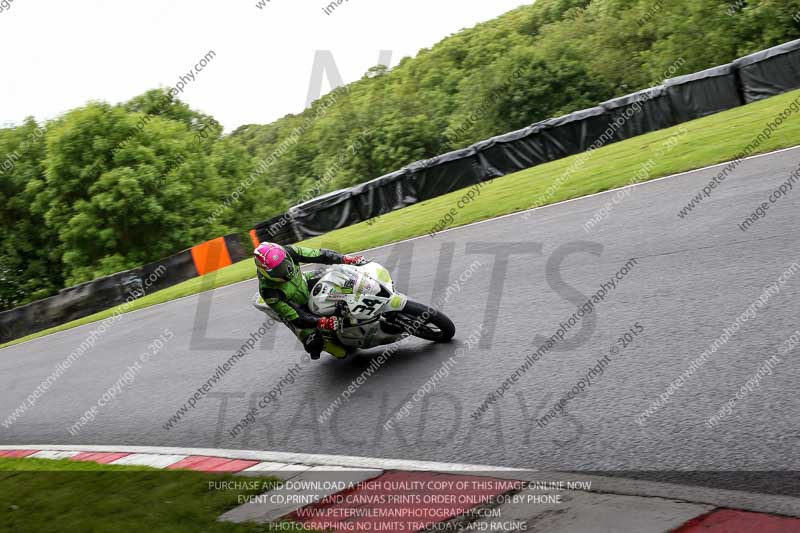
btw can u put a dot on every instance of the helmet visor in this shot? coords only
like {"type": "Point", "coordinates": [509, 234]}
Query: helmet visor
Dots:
{"type": "Point", "coordinates": [283, 271]}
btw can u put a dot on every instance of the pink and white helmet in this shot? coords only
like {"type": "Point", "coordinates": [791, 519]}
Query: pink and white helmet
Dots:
{"type": "Point", "coordinates": [274, 261]}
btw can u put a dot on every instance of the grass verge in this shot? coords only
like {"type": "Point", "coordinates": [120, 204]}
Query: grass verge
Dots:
{"type": "Point", "coordinates": [48, 495]}
{"type": "Point", "coordinates": [706, 141]}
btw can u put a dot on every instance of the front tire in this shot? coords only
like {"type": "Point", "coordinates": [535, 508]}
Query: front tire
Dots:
{"type": "Point", "coordinates": [424, 322]}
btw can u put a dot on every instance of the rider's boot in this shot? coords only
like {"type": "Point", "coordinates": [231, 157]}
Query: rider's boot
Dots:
{"type": "Point", "coordinates": [314, 344]}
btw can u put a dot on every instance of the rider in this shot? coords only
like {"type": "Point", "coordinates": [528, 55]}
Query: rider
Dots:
{"type": "Point", "coordinates": [286, 289]}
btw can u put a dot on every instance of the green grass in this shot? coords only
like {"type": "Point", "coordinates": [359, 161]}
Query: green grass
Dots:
{"type": "Point", "coordinates": [48, 495]}
{"type": "Point", "coordinates": [707, 141]}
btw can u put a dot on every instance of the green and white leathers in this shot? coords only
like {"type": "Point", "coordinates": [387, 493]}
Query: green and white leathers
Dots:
{"type": "Point", "coordinates": [289, 299]}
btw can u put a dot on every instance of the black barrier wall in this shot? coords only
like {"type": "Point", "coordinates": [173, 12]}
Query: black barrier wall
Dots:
{"type": "Point", "coordinates": [769, 72]}
{"type": "Point", "coordinates": [104, 293]}
{"type": "Point", "coordinates": [750, 78]}
{"type": "Point", "coordinates": [236, 249]}
{"type": "Point", "coordinates": [71, 304]}
{"type": "Point", "coordinates": [703, 93]}
{"type": "Point", "coordinates": [509, 153]}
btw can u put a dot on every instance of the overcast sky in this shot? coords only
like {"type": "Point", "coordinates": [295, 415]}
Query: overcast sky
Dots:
{"type": "Point", "coordinates": [57, 55]}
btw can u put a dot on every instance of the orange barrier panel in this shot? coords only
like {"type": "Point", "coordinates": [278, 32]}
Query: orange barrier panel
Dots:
{"type": "Point", "coordinates": [254, 238]}
{"type": "Point", "coordinates": [211, 256]}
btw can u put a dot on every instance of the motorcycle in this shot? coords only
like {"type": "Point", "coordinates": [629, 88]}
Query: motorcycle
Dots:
{"type": "Point", "coordinates": [373, 313]}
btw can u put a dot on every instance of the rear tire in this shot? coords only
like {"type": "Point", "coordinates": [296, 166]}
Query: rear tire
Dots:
{"type": "Point", "coordinates": [436, 327]}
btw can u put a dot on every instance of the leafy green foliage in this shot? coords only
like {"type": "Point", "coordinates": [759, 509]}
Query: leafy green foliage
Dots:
{"type": "Point", "coordinates": [569, 55]}
{"type": "Point", "coordinates": [110, 187]}
{"type": "Point", "coordinates": [25, 272]}
{"type": "Point", "coordinates": [120, 192]}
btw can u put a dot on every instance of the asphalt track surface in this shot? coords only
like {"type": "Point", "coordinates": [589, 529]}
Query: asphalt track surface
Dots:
{"type": "Point", "coordinates": [693, 277]}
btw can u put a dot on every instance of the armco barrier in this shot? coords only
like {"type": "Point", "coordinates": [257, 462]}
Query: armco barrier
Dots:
{"type": "Point", "coordinates": [769, 72]}
{"type": "Point", "coordinates": [104, 293]}
{"type": "Point", "coordinates": [332, 210]}
{"type": "Point", "coordinates": [514, 151]}
{"type": "Point", "coordinates": [640, 112]}
{"type": "Point", "coordinates": [750, 78]}
{"type": "Point", "coordinates": [70, 304]}
{"type": "Point", "coordinates": [573, 133]}
{"type": "Point", "coordinates": [383, 194]}
{"type": "Point", "coordinates": [703, 93]}
{"type": "Point", "coordinates": [277, 229]}
{"type": "Point", "coordinates": [445, 173]}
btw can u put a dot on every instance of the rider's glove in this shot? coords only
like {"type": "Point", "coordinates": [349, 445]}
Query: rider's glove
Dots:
{"type": "Point", "coordinates": [356, 260]}
{"type": "Point", "coordinates": [328, 323]}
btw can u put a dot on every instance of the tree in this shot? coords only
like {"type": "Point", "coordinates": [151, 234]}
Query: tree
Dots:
{"type": "Point", "coordinates": [119, 195]}
{"type": "Point", "coordinates": [26, 272]}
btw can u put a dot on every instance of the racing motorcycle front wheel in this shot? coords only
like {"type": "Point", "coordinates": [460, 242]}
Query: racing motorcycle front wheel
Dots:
{"type": "Point", "coordinates": [424, 322]}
